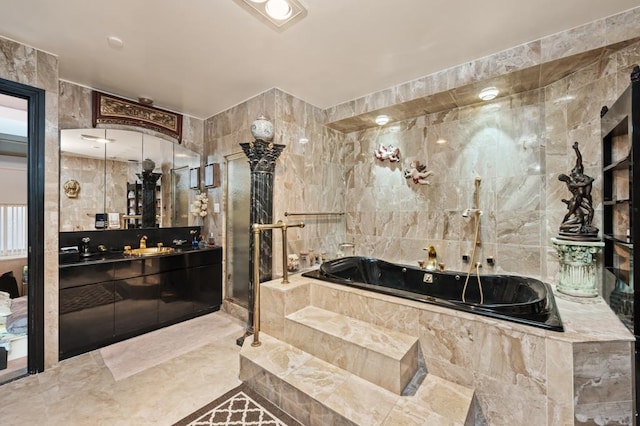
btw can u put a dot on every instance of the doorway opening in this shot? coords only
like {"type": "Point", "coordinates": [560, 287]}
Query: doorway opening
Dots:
{"type": "Point", "coordinates": [35, 130]}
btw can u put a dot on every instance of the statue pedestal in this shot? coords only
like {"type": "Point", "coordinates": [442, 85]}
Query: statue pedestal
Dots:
{"type": "Point", "coordinates": [578, 274]}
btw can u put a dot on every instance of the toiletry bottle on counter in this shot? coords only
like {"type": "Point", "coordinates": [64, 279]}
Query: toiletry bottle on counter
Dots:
{"type": "Point", "coordinates": [194, 243]}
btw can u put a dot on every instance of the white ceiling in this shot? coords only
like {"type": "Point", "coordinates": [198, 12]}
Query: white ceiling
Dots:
{"type": "Point", "coordinates": [200, 57]}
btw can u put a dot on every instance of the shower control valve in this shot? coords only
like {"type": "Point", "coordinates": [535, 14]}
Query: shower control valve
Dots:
{"type": "Point", "coordinates": [465, 258]}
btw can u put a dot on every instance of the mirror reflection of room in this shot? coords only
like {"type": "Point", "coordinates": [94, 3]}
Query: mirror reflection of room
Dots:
{"type": "Point", "coordinates": [102, 178]}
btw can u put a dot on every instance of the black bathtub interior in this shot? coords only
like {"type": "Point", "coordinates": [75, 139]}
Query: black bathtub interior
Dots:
{"type": "Point", "coordinates": [513, 298]}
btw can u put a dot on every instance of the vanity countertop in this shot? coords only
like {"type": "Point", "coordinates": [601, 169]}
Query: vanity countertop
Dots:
{"type": "Point", "coordinates": [118, 256]}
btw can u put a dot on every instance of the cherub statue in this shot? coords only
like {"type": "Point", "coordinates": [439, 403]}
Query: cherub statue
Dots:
{"type": "Point", "coordinates": [390, 153]}
{"type": "Point", "coordinates": [418, 172]}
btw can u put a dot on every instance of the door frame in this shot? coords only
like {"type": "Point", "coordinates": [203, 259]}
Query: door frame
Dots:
{"type": "Point", "coordinates": [35, 216]}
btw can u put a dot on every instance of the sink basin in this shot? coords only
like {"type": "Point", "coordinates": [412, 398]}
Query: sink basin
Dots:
{"type": "Point", "coordinates": [149, 251]}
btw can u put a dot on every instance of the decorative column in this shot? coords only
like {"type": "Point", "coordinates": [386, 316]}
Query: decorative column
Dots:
{"type": "Point", "coordinates": [149, 180]}
{"type": "Point", "coordinates": [578, 272]}
{"type": "Point", "coordinates": [262, 162]}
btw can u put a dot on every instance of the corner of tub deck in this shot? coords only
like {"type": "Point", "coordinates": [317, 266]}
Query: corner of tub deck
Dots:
{"type": "Point", "coordinates": [589, 320]}
{"type": "Point", "coordinates": [278, 300]}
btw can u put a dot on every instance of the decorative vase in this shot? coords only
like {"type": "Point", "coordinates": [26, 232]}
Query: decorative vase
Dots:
{"type": "Point", "coordinates": [262, 128]}
{"type": "Point", "coordinates": [148, 165]}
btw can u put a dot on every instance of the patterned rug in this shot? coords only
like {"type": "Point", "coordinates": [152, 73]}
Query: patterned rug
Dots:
{"type": "Point", "coordinates": [239, 407]}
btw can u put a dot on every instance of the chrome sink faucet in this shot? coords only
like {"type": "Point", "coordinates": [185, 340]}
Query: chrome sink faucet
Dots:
{"type": "Point", "coordinates": [143, 242]}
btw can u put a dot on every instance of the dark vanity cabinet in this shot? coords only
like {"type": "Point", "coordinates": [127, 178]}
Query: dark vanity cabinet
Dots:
{"type": "Point", "coordinates": [106, 301]}
{"type": "Point", "coordinates": [85, 306]}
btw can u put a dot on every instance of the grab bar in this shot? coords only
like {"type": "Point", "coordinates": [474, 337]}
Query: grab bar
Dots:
{"type": "Point", "coordinates": [314, 214]}
{"type": "Point", "coordinates": [256, 229]}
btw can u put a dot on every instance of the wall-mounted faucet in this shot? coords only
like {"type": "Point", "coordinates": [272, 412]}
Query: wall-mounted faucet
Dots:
{"type": "Point", "coordinates": [431, 263]}
{"type": "Point", "coordinates": [470, 212]}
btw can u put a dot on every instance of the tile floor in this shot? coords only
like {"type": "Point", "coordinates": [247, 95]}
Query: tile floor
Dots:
{"type": "Point", "coordinates": [161, 377]}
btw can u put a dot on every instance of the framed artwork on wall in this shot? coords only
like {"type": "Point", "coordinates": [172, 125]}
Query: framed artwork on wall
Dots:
{"type": "Point", "coordinates": [194, 178]}
{"type": "Point", "coordinates": [109, 109]}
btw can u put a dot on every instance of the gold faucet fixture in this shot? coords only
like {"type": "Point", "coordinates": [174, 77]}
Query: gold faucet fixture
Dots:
{"type": "Point", "coordinates": [431, 263]}
{"type": "Point", "coordinates": [143, 242]}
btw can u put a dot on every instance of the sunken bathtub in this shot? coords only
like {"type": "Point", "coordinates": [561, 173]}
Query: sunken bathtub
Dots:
{"type": "Point", "coordinates": [512, 298]}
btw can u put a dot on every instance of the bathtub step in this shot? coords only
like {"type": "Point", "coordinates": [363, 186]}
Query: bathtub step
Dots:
{"type": "Point", "coordinates": [384, 357]}
{"type": "Point", "coordinates": [316, 392]}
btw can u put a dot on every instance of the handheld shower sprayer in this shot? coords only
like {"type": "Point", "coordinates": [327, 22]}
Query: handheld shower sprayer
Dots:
{"type": "Point", "coordinates": [476, 241]}
{"type": "Point", "coordinates": [476, 196]}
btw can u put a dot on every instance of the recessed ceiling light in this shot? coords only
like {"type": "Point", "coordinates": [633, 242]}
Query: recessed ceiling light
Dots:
{"type": "Point", "coordinates": [278, 9]}
{"type": "Point", "coordinates": [488, 93]}
{"type": "Point", "coordinates": [441, 141]}
{"type": "Point", "coordinates": [115, 42]}
{"type": "Point", "coordinates": [303, 140]}
{"type": "Point", "coordinates": [382, 119]}
{"type": "Point", "coordinates": [280, 14]}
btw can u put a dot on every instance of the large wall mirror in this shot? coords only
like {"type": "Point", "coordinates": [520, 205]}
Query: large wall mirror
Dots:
{"type": "Point", "coordinates": [101, 173]}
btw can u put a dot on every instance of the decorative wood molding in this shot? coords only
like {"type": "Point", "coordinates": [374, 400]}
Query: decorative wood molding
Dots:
{"type": "Point", "coordinates": [109, 109]}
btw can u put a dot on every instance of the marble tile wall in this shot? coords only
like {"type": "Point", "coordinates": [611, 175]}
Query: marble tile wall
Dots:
{"type": "Point", "coordinates": [528, 60]}
{"type": "Point", "coordinates": [308, 177]}
{"type": "Point", "coordinates": [26, 65]}
{"type": "Point", "coordinates": [517, 145]}
{"type": "Point", "coordinates": [76, 112]}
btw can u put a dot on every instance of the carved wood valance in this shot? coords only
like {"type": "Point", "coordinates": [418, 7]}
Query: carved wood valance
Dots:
{"type": "Point", "coordinates": [109, 109]}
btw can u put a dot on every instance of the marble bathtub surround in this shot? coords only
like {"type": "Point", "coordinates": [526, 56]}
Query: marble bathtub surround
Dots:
{"type": "Point", "coordinates": [563, 377]}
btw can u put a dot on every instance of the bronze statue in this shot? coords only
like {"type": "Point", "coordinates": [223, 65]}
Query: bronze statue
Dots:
{"type": "Point", "coordinates": [576, 224]}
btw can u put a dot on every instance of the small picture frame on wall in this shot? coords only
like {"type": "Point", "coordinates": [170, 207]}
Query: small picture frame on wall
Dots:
{"type": "Point", "coordinates": [210, 172]}
{"type": "Point", "coordinates": [194, 178]}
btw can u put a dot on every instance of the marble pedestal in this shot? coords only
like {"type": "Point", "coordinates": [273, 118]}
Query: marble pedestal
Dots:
{"type": "Point", "coordinates": [578, 273]}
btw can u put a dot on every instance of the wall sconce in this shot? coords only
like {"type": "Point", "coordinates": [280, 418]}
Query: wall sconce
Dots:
{"type": "Point", "coordinates": [194, 178]}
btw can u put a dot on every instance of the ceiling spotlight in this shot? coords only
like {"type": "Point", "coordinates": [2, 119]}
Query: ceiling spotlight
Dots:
{"type": "Point", "coordinates": [382, 119]}
{"type": "Point", "coordinates": [441, 141]}
{"type": "Point", "coordinates": [115, 42]}
{"type": "Point", "coordinates": [278, 9]}
{"type": "Point", "coordinates": [280, 14]}
{"type": "Point", "coordinates": [488, 93]}
{"type": "Point", "coordinates": [144, 100]}
{"type": "Point", "coordinates": [303, 140]}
